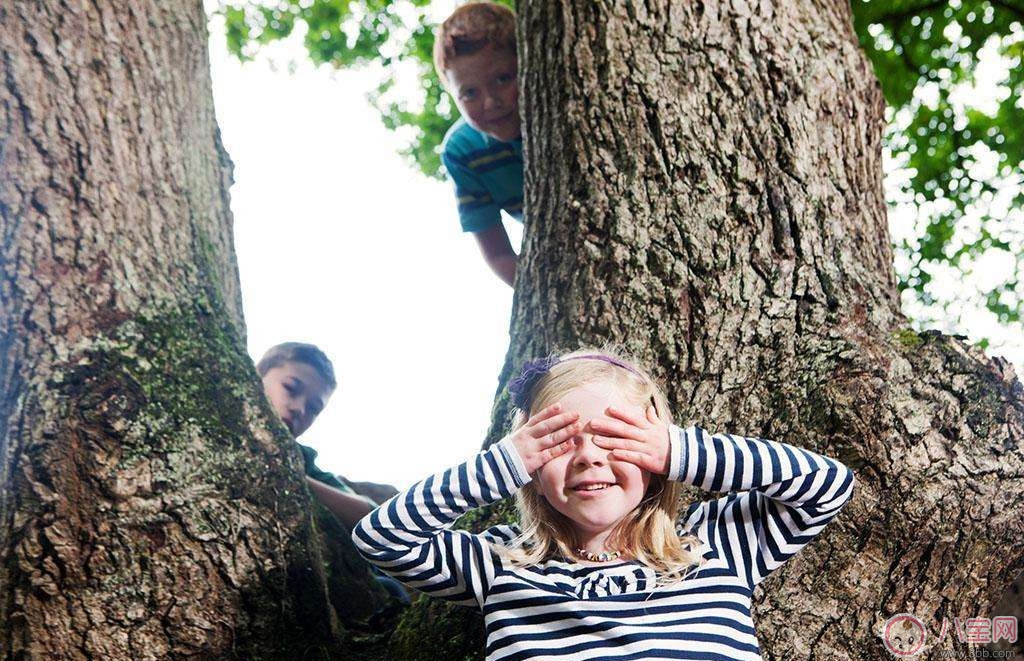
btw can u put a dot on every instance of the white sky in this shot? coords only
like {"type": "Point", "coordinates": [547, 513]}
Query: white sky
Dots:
{"type": "Point", "coordinates": [341, 243]}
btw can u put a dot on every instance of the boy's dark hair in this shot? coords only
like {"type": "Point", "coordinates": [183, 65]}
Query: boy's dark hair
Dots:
{"type": "Point", "coordinates": [298, 352]}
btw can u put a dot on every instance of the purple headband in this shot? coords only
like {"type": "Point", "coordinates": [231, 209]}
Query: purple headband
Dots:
{"type": "Point", "coordinates": [533, 370]}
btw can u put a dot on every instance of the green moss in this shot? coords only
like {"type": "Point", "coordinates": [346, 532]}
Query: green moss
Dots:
{"type": "Point", "coordinates": [908, 338]}
{"type": "Point", "coordinates": [173, 392]}
{"type": "Point", "coordinates": [478, 520]}
{"type": "Point", "coordinates": [432, 629]}
{"type": "Point", "coordinates": [168, 383]}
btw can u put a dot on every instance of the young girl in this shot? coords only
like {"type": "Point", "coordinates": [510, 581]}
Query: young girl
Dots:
{"type": "Point", "coordinates": [598, 570]}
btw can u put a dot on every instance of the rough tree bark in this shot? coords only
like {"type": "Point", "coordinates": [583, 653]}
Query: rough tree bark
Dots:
{"type": "Point", "coordinates": [151, 505]}
{"type": "Point", "coordinates": [704, 187]}
{"type": "Point", "coordinates": [717, 207]}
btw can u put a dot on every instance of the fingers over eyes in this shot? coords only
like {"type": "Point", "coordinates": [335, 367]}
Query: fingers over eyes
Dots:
{"type": "Point", "coordinates": [612, 443]}
{"type": "Point", "coordinates": [615, 428]}
{"type": "Point", "coordinates": [556, 451]}
{"type": "Point", "coordinates": [635, 418]}
{"type": "Point", "coordinates": [554, 424]}
{"type": "Point", "coordinates": [652, 414]}
{"type": "Point", "coordinates": [560, 435]}
{"type": "Point", "coordinates": [638, 458]}
{"type": "Point", "coordinates": [545, 413]}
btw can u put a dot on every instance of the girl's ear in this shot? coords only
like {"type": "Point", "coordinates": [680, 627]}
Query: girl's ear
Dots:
{"type": "Point", "coordinates": [652, 413]}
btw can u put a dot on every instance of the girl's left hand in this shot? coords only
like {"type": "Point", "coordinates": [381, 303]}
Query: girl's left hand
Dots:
{"type": "Point", "coordinates": [639, 439]}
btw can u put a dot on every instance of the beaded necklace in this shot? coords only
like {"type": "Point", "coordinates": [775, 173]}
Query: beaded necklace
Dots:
{"type": "Point", "coordinates": [590, 556]}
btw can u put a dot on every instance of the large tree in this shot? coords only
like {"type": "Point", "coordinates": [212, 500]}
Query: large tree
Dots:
{"type": "Point", "coordinates": [703, 187]}
{"type": "Point", "coordinates": [151, 507]}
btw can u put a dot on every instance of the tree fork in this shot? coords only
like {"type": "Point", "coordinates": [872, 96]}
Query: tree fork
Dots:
{"type": "Point", "coordinates": [703, 187]}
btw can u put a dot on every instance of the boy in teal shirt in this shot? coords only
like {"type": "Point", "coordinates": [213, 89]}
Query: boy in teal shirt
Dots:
{"type": "Point", "coordinates": [475, 57]}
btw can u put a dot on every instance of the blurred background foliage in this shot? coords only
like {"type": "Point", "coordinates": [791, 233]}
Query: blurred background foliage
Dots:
{"type": "Point", "coordinates": [952, 78]}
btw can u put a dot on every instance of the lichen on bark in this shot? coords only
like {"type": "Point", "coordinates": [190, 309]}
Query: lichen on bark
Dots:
{"type": "Point", "coordinates": [159, 465]}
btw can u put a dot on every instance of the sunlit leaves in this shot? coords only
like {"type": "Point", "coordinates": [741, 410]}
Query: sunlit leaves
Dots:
{"type": "Point", "coordinates": [397, 34]}
{"type": "Point", "coordinates": [950, 71]}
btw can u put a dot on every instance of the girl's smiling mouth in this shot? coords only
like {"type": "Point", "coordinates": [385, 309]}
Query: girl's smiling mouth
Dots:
{"type": "Point", "coordinates": [591, 487]}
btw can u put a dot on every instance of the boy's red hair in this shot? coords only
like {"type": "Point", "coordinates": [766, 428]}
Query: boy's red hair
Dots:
{"type": "Point", "coordinates": [471, 28]}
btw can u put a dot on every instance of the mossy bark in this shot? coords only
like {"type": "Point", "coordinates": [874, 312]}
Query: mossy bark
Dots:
{"type": "Point", "coordinates": [704, 188]}
{"type": "Point", "coordinates": [152, 506]}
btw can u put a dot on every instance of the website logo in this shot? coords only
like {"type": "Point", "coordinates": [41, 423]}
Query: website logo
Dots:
{"type": "Point", "coordinates": [904, 635]}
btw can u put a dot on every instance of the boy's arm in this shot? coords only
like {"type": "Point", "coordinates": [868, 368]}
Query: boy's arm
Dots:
{"type": "Point", "coordinates": [497, 251]}
{"type": "Point", "coordinates": [481, 215]}
{"type": "Point", "coordinates": [347, 507]}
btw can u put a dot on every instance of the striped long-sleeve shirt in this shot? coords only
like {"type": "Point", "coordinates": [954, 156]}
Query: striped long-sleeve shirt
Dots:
{"type": "Point", "coordinates": [780, 497]}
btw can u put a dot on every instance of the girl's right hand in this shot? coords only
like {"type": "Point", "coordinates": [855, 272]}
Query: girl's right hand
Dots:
{"type": "Point", "coordinates": [545, 436]}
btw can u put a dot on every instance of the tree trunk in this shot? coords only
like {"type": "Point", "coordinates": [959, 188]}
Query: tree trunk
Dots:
{"type": "Point", "coordinates": [704, 188]}
{"type": "Point", "coordinates": [716, 207]}
{"type": "Point", "coordinates": [152, 505]}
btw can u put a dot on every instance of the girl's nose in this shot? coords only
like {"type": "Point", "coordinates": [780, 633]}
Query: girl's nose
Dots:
{"type": "Point", "coordinates": [588, 452]}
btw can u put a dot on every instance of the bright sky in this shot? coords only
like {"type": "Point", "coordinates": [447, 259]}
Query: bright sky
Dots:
{"type": "Point", "coordinates": [341, 243]}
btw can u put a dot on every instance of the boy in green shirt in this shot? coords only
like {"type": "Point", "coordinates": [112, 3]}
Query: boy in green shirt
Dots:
{"type": "Point", "coordinates": [298, 379]}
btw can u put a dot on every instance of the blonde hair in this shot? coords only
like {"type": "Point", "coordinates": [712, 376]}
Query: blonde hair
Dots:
{"type": "Point", "coordinates": [471, 28]}
{"type": "Point", "coordinates": [648, 533]}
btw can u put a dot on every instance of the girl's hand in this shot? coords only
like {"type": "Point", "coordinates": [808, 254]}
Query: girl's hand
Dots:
{"type": "Point", "coordinates": [545, 436]}
{"type": "Point", "coordinates": [639, 439]}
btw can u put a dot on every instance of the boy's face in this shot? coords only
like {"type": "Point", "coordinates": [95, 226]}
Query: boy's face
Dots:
{"type": "Point", "coordinates": [486, 92]}
{"type": "Point", "coordinates": [297, 393]}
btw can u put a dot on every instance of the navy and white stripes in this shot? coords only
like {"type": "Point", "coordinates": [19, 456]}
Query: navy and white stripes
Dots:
{"type": "Point", "coordinates": [780, 498]}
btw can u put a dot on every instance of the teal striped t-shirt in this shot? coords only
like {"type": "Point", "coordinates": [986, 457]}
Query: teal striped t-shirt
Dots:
{"type": "Point", "coordinates": [488, 175]}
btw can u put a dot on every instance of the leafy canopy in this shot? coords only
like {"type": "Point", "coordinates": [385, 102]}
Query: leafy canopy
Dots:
{"type": "Point", "coordinates": [950, 71]}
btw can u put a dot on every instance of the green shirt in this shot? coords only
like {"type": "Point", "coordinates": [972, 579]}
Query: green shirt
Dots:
{"type": "Point", "coordinates": [309, 458]}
